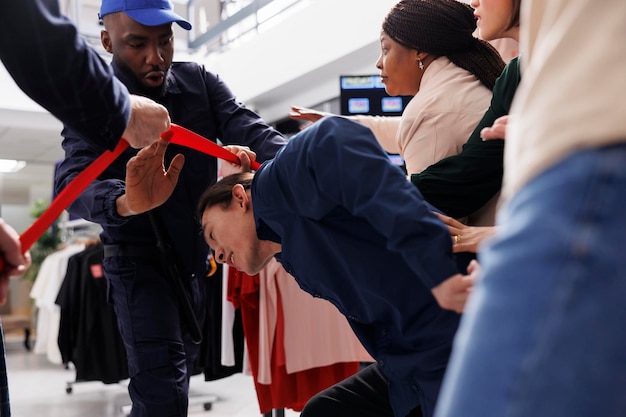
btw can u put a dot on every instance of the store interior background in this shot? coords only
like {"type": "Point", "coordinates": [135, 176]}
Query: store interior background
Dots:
{"type": "Point", "coordinates": [283, 53]}
{"type": "Point", "coordinates": [294, 57]}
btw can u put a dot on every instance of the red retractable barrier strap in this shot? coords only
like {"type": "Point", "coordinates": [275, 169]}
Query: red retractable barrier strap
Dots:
{"type": "Point", "coordinates": [69, 194]}
{"type": "Point", "coordinates": [65, 197]}
{"type": "Point", "coordinates": [177, 134]}
{"type": "Point", "coordinates": [186, 137]}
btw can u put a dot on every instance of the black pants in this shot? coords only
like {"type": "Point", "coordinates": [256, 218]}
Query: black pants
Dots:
{"type": "Point", "coordinates": [364, 394]}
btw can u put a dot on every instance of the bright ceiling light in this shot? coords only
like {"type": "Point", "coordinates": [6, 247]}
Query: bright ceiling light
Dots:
{"type": "Point", "coordinates": [11, 165]}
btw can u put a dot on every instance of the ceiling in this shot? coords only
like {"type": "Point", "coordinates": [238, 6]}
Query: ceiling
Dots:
{"type": "Point", "coordinates": [34, 138]}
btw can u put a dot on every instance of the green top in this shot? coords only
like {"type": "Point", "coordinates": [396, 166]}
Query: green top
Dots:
{"type": "Point", "coordinates": [461, 184]}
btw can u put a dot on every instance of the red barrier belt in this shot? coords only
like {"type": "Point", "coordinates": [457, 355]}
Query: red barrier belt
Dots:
{"type": "Point", "coordinates": [186, 137]}
{"type": "Point", "coordinates": [177, 134]}
{"type": "Point", "coordinates": [69, 194]}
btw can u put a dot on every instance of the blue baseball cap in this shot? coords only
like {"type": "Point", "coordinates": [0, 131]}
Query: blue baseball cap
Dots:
{"type": "Point", "coordinates": [146, 12]}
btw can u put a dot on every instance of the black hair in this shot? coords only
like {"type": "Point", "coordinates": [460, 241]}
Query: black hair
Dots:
{"type": "Point", "coordinates": [444, 28]}
{"type": "Point", "coordinates": [221, 192]}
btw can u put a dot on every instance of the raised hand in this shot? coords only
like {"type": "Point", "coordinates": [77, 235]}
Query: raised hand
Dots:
{"type": "Point", "coordinates": [148, 183]}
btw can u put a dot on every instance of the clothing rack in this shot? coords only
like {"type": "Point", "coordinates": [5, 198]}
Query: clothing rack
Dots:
{"type": "Point", "coordinates": [88, 326]}
{"type": "Point", "coordinates": [206, 401]}
{"type": "Point", "coordinates": [86, 232]}
{"type": "Point", "coordinates": [80, 230]}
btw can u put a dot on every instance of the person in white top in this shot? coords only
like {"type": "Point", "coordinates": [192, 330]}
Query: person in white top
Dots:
{"type": "Point", "coordinates": [428, 51]}
{"type": "Point", "coordinates": [543, 330]}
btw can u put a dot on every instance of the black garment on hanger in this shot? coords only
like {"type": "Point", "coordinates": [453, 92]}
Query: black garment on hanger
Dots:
{"type": "Point", "coordinates": [88, 333]}
{"type": "Point", "coordinates": [210, 359]}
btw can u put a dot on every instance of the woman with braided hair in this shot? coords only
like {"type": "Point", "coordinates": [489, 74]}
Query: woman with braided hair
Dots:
{"type": "Point", "coordinates": [428, 51]}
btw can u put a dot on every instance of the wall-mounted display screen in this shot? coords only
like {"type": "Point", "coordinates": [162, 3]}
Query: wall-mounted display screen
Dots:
{"type": "Point", "coordinates": [366, 95]}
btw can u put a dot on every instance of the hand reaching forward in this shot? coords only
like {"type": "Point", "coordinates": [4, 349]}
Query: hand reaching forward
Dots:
{"type": "Point", "coordinates": [148, 119]}
{"type": "Point", "coordinates": [452, 293]}
{"type": "Point", "coordinates": [302, 113]}
{"type": "Point", "coordinates": [497, 130]}
{"type": "Point", "coordinates": [466, 238]}
{"type": "Point", "coordinates": [148, 184]}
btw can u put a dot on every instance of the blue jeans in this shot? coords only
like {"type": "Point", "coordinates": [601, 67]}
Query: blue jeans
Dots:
{"type": "Point", "coordinates": [544, 331]}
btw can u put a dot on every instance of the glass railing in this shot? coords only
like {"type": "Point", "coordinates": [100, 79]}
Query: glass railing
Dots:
{"type": "Point", "coordinates": [240, 20]}
{"type": "Point", "coordinates": [217, 24]}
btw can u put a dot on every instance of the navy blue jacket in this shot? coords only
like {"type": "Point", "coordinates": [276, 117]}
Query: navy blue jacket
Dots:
{"type": "Point", "coordinates": [355, 232]}
{"type": "Point", "coordinates": [54, 66]}
{"type": "Point", "coordinates": [201, 102]}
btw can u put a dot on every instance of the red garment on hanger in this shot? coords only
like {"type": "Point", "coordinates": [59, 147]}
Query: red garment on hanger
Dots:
{"type": "Point", "coordinates": [286, 390]}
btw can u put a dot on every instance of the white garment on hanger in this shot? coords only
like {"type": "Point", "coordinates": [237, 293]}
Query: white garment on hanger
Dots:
{"type": "Point", "coordinates": [44, 292]}
{"type": "Point", "coordinates": [228, 320]}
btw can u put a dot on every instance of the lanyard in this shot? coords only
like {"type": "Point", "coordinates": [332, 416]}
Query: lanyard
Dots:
{"type": "Point", "coordinates": [177, 134]}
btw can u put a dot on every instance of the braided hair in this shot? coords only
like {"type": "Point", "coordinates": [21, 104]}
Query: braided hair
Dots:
{"type": "Point", "coordinates": [444, 28]}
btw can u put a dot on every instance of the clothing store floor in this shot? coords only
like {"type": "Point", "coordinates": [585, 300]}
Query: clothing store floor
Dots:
{"type": "Point", "coordinates": [38, 388]}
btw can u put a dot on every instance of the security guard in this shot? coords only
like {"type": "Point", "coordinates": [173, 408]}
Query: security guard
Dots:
{"type": "Point", "coordinates": [154, 262]}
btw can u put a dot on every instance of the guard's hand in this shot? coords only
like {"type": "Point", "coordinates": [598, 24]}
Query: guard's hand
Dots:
{"type": "Point", "coordinates": [148, 119]}
{"type": "Point", "coordinates": [148, 183]}
{"type": "Point", "coordinates": [246, 157]}
{"type": "Point", "coordinates": [452, 293]}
